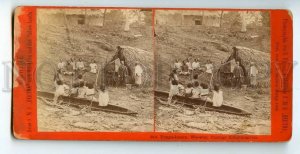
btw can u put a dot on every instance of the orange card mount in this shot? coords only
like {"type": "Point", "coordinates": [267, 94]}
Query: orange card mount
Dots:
{"type": "Point", "coordinates": [152, 74]}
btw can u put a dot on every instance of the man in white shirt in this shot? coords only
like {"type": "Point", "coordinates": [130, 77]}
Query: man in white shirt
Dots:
{"type": "Point", "coordinates": [80, 64]}
{"type": "Point", "coordinates": [138, 71]}
{"type": "Point", "coordinates": [93, 67]}
{"type": "Point", "coordinates": [209, 67]}
{"type": "Point", "coordinates": [196, 64]}
{"type": "Point", "coordinates": [61, 65]}
{"type": "Point", "coordinates": [177, 65]}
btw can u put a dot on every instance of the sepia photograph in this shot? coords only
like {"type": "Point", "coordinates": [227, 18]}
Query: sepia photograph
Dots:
{"type": "Point", "coordinates": [95, 70]}
{"type": "Point", "coordinates": [212, 71]}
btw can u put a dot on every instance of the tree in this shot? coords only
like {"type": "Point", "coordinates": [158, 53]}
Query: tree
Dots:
{"type": "Point", "coordinates": [221, 18]}
{"type": "Point", "coordinates": [247, 18]}
{"type": "Point", "coordinates": [132, 16]}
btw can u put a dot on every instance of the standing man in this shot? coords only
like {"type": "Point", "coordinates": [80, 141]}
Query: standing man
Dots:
{"type": "Point", "coordinates": [209, 67]}
{"type": "Point", "coordinates": [138, 71]}
{"type": "Point", "coordinates": [122, 74]}
{"type": "Point", "coordinates": [177, 65]}
{"type": "Point", "coordinates": [253, 74]}
{"type": "Point", "coordinates": [61, 65]}
{"type": "Point", "coordinates": [93, 67]}
{"type": "Point", "coordinates": [238, 74]}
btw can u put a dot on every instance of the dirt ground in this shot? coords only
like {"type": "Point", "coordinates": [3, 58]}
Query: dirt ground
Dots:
{"type": "Point", "coordinates": [170, 119]}
{"type": "Point", "coordinates": [51, 118]}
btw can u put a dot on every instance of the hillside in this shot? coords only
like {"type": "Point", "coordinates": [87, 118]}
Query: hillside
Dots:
{"type": "Point", "coordinates": [205, 43]}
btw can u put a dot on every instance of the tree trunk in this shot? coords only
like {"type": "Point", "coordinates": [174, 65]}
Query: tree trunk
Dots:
{"type": "Point", "coordinates": [103, 19]}
{"type": "Point", "coordinates": [221, 17]}
{"type": "Point", "coordinates": [244, 21]}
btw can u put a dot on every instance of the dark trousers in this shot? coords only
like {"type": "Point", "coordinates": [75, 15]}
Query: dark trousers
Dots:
{"type": "Point", "coordinates": [237, 82]}
{"type": "Point", "coordinates": [122, 80]}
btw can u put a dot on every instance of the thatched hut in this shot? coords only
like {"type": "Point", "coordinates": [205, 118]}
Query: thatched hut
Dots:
{"type": "Point", "coordinates": [245, 56]}
{"type": "Point", "coordinates": [131, 56]}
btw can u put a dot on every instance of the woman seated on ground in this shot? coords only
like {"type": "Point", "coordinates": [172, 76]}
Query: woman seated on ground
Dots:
{"type": "Point", "coordinates": [81, 90]}
{"type": "Point", "coordinates": [61, 90]}
{"type": "Point", "coordinates": [196, 90]}
{"type": "Point", "coordinates": [217, 96]}
{"type": "Point", "coordinates": [103, 96]}
{"type": "Point", "coordinates": [189, 90]}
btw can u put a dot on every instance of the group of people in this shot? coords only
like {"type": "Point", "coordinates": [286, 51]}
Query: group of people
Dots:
{"type": "Point", "coordinates": [187, 66]}
{"type": "Point", "coordinates": [194, 89]}
{"type": "Point", "coordinates": [121, 74]}
{"type": "Point", "coordinates": [238, 74]}
{"type": "Point", "coordinates": [79, 87]}
{"type": "Point", "coordinates": [72, 65]}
